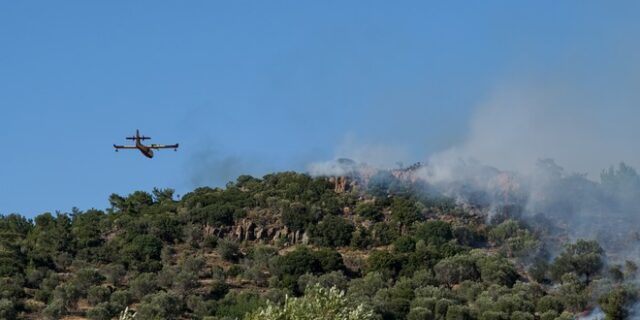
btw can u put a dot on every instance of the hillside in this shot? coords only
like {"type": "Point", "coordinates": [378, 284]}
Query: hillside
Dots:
{"type": "Point", "coordinates": [396, 249]}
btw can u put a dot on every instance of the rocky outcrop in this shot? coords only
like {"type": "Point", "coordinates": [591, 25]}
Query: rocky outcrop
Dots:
{"type": "Point", "coordinates": [341, 184]}
{"type": "Point", "coordinates": [247, 230]}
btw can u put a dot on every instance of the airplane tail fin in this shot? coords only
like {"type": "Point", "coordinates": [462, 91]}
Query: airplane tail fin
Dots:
{"type": "Point", "coordinates": [137, 136]}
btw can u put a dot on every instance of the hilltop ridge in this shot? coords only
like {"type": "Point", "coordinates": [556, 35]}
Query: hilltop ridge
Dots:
{"type": "Point", "coordinates": [394, 246]}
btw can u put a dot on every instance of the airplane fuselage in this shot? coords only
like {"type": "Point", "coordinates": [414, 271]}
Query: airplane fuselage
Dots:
{"type": "Point", "coordinates": [146, 151]}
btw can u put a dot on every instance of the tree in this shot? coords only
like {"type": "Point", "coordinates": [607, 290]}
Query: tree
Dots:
{"type": "Point", "coordinates": [385, 262]}
{"type": "Point", "coordinates": [456, 269]}
{"type": "Point", "coordinates": [290, 267]}
{"type": "Point", "coordinates": [13, 231]}
{"type": "Point", "coordinates": [405, 211]}
{"type": "Point", "coordinates": [297, 216]}
{"type": "Point", "coordinates": [85, 278]}
{"type": "Point", "coordinates": [572, 293]}
{"type": "Point", "coordinates": [383, 234]}
{"type": "Point", "coordinates": [163, 195]}
{"type": "Point", "coordinates": [496, 270]}
{"type": "Point", "coordinates": [143, 284]}
{"type": "Point", "coordinates": [317, 303]}
{"type": "Point", "coordinates": [434, 232]}
{"type": "Point", "coordinates": [86, 229]}
{"type": "Point", "coordinates": [7, 309]}
{"type": "Point", "coordinates": [98, 294]}
{"type": "Point", "coordinates": [369, 210]}
{"type": "Point", "coordinates": [102, 311]}
{"type": "Point", "coordinates": [161, 305]}
{"type": "Point", "coordinates": [616, 303]}
{"type": "Point", "coordinates": [330, 260]}
{"type": "Point", "coordinates": [142, 253]}
{"type": "Point", "coordinates": [229, 250]}
{"type": "Point", "coordinates": [50, 235]}
{"type": "Point", "coordinates": [404, 244]}
{"type": "Point", "coordinates": [584, 258]}
{"type": "Point", "coordinates": [332, 231]}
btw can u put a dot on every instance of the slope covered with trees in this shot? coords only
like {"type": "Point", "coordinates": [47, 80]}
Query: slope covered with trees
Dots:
{"type": "Point", "coordinates": [291, 246]}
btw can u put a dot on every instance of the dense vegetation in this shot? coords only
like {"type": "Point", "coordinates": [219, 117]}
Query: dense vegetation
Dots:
{"type": "Point", "coordinates": [387, 252]}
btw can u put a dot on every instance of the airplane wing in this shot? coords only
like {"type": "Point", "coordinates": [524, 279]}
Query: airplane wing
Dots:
{"type": "Point", "coordinates": [124, 147]}
{"type": "Point", "coordinates": [164, 146]}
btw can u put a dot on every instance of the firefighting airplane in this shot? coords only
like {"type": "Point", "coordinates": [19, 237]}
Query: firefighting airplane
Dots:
{"type": "Point", "coordinates": [147, 151]}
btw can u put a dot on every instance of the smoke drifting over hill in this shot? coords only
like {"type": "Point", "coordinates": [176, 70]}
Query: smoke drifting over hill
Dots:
{"type": "Point", "coordinates": [579, 129]}
{"type": "Point", "coordinates": [542, 150]}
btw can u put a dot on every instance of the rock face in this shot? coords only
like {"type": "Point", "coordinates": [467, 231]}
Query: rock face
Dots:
{"type": "Point", "coordinates": [342, 183]}
{"type": "Point", "coordinates": [247, 230]}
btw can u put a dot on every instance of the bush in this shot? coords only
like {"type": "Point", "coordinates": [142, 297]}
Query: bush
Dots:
{"type": "Point", "coordinates": [385, 262]}
{"type": "Point", "coordinates": [584, 258]}
{"type": "Point", "coordinates": [7, 309]}
{"type": "Point", "coordinates": [383, 234]}
{"type": "Point", "coordinates": [184, 282]}
{"type": "Point", "coordinates": [234, 271]}
{"type": "Point", "coordinates": [496, 270]}
{"type": "Point", "coordinates": [98, 294]}
{"type": "Point", "coordinates": [404, 244]}
{"type": "Point", "coordinates": [120, 299]}
{"type": "Point", "coordinates": [405, 211]}
{"type": "Point", "coordinates": [420, 313]}
{"type": "Point", "coordinates": [289, 267]}
{"type": "Point", "coordinates": [520, 315]}
{"type": "Point", "coordinates": [317, 303]}
{"type": "Point", "coordinates": [332, 231]}
{"type": "Point", "coordinates": [360, 238]}
{"type": "Point", "coordinates": [55, 309]}
{"type": "Point", "coordinates": [458, 312]}
{"type": "Point", "coordinates": [229, 250]}
{"type": "Point", "coordinates": [434, 232]}
{"type": "Point", "coordinates": [456, 269]}
{"type": "Point", "coordinates": [143, 284]}
{"type": "Point", "coordinates": [297, 216]}
{"type": "Point", "coordinates": [161, 305]}
{"type": "Point", "coordinates": [616, 303]}
{"type": "Point", "coordinates": [142, 253]}
{"type": "Point", "coordinates": [330, 260]}
{"type": "Point", "coordinates": [217, 290]}
{"type": "Point", "coordinates": [328, 280]}
{"type": "Point", "coordinates": [549, 303]}
{"type": "Point", "coordinates": [238, 305]}
{"type": "Point", "coordinates": [211, 241]}
{"type": "Point", "coordinates": [114, 273]}
{"type": "Point", "coordinates": [103, 311]}
{"type": "Point", "coordinates": [369, 210]}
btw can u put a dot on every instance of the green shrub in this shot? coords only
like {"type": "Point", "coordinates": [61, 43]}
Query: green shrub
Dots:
{"type": "Point", "coordinates": [98, 294]}
{"type": "Point", "coordinates": [120, 299]}
{"type": "Point", "coordinates": [420, 313]}
{"type": "Point", "coordinates": [434, 232]}
{"type": "Point", "coordinates": [211, 241]}
{"type": "Point", "coordinates": [238, 305]}
{"type": "Point", "coordinates": [404, 244]}
{"type": "Point", "coordinates": [317, 303]}
{"type": "Point", "coordinates": [234, 271]}
{"type": "Point", "coordinates": [332, 231]}
{"type": "Point", "coordinates": [7, 309]}
{"type": "Point", "coordinates": [383, 234]}
{"type": "Point", "coordinates": [161, 305]}
{"type": "Point", "coordinates": [103, 311]}
{"type": "Point", "coordinates": [229, 250]}
{"type": "Point", "coordinates": [369, 210]}
{"type": "Point", "coordinates": [405, 211]}
{"type": "Point", "coordinates": [143, 284]}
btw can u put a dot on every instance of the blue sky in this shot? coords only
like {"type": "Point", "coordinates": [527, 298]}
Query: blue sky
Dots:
{"type": "Point", "coordinates": [261, 86]}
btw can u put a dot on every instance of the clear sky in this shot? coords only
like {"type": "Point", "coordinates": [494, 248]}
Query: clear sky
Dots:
{"type": "Point", "coordinates": [260, 86]}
